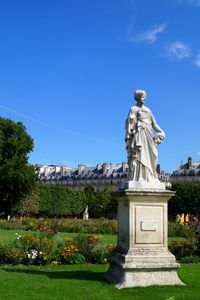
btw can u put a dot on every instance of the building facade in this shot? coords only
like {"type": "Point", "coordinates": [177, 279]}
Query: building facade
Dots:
{"type": "Point", "coordinates": [99, 177]}
{"type": "Point", "coordinates": [186, 172]}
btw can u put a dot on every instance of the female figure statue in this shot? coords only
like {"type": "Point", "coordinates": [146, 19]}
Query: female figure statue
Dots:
{"type": "Point", "coordinates": [141, 143]}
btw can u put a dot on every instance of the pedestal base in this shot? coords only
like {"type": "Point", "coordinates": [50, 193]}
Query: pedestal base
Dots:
{"type": "Point", "coordinates": [143, 271]}
{"type": "Point", "coordinates": [142, 257]}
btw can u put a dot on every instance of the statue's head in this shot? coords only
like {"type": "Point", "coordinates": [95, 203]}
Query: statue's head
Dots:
{"type": "Point", "coordinates": [140, 94]}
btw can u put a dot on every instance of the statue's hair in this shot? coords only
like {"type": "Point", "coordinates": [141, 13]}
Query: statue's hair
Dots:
{"type": "Point", "coordinates": [139, 93]}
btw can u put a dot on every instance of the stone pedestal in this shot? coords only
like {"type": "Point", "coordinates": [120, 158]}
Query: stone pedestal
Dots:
{"type": "Point", "coordinates": [142, 257]}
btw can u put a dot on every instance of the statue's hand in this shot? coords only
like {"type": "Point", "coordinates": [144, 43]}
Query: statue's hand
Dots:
{"type": "Point", "coordinates": [162, 134]}
{"type": "Point", "coordinates": [159, 137]}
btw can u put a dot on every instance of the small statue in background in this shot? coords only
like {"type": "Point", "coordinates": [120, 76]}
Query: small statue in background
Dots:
{"type": "Point", "coordinates": [86, 214]}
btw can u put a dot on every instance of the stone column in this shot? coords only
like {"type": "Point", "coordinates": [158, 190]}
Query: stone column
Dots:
{"type": "Point", "coordinates": [142, 257]}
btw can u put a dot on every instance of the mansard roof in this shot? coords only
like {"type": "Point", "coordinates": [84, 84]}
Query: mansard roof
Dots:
{"type": "Point", "coordinates": [190, 168]}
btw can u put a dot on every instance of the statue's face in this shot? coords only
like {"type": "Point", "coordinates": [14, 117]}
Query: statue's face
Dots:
{"type": "Point", "coordinates": [141, 100]}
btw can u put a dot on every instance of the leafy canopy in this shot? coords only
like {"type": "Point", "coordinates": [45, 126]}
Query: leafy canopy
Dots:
{"type": "Point", "coordinates": [17, 177]}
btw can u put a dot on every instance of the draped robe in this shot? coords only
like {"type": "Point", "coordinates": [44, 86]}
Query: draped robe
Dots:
{"type": "Point", "coordinates": [141, 148]}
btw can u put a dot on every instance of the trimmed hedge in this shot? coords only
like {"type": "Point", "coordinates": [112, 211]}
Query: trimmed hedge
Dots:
{"type": "Point", "coordinates": [52, 201]}
{"type": "Point", "coordinates": [63, 201]}
{"type": "Point", "coordinates": [58, 200]}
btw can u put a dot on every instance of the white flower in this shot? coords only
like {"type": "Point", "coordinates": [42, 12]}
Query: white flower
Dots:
{"type": "Point", "coordinates": [32, 254]}
{"type": "Point", "coordinates": [18, 237]}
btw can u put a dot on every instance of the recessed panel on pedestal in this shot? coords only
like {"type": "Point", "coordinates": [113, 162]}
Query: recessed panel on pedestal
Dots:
{"type": "Point", "coordinates": [149, 224]}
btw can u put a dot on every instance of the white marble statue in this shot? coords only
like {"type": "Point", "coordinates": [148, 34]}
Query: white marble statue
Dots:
{"type": "Point", "coordinates": [141, 143]}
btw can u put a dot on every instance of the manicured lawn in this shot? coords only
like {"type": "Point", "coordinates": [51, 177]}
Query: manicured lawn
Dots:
{"type": "Point", "coordinates": [87, 282]}
{"type": "Point", "coordinates": [84, 281]}
{"type": "Point", "coordinates": [9, 235]}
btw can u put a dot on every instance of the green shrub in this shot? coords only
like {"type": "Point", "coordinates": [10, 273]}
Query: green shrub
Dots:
{"type": "Point", "coordinates": [39, 249]}
{"type": "Point", "coordinates": [100, 255]}
{"type": "Point", "coordinates": [29, 223]}
{"type": "Point", "coordinates": [93, 248]}
{"type": "Point", "coordinates": [4, 254]}
{"type": "Point", "coordinates": [34, 257]}
{"type": "Point", "coordinates": [86, 245]}
{"type": "Point", "coordinates": [75, 258]}
{"type": "Point", "coordinates": [177, 230]}
{"type": "Point", "coordinates": [32, 250]}
{"type": "Point", "coordinates": [93, 226]}
{"type": "Point", "coordinates": [190, 259]}
{"type": "Point", "coordinates": [181, 248]}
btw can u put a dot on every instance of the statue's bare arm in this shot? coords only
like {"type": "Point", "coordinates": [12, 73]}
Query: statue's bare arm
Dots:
{"type": "Point", "coordinates": [156, 127]}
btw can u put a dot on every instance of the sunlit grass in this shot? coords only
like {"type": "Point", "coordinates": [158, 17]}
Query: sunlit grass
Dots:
{"type": "Point", "coordinates": [87, 282]}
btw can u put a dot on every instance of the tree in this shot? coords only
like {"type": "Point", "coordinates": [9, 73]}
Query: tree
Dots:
{"type": "Point", "coordinates": [29, 205]}
{"type": "Point", "coordinates": [90, 198]}
{"type": "Point", "coordinates": [103, 199]}
{"type": "Point", "coordinates": [17, 177]}
{"type": "Point", "coordinates": [186, 200]}
{"type": "Point", "coordinates": [99, 203]}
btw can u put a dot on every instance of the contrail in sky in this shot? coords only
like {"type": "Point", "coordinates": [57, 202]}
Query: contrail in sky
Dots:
{"type": "Point", "coordinates": [99, 140]}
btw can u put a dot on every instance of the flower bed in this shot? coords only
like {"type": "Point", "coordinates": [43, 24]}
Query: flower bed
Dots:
{"type": "Point", "coordinates": [44, 248]}
{"type": "Point", "coordinates": [93, 226]}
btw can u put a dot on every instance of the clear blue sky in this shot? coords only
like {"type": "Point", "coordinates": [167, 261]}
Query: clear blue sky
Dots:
{"type": "Point", "coordinates": [68, 69]}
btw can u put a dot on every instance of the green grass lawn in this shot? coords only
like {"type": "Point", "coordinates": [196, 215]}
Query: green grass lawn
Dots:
{"type": "Point", "coordinates": [9, 235]}
{"type": "Point", "coordinates": [84, 281]}
{"type": "Point", "coordinates": [87, 282]}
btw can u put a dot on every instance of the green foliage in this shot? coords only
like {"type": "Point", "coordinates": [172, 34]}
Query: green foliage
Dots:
{"type": "Point", "coordinates": [39, 242]}
{"type": "Point", "coordinates": [93, 248]}
{"type": "Point", "coordinates": [17, 177]}
{"type": "Point", "coordinates": [34, 257]}
{"type": "Point", "coordinates": [52, 201]}
{"type": "Point", "coordinates": [103, 199]}
{"type": "Point", "coordinates": [101, 255]}
{"type": "Point", "coordinates": [5, 253]}
{"type": "Point", "coordinates": [86, 244]}
{"type": "Point", "coordinates": [90, 197]}
{"type": "Point", "coordinates": [29, 205]}
{"type": "Point", "coordinates": [93, 226]}
{"type": "Point", "coordinates": [177, 230]}
{"type": "Point", "coordinates": [30, 249]}
{"type": "Point", "coordinates": [100, 203]}
{"type": "Point", "coordinates": [190, 259]}
{"type": "Point", "coordinates": [38, 249]}
{"type": "Point", "coordinates": [186, 200]}
{"type": "Point", "coordinates": [60, 200]}
{"type": "Point", "coordinates": [71, 255]}
{"type": "Point", "coordinates": [76, 258]}
{"type": "Point", "coordinates": [181, 248]}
